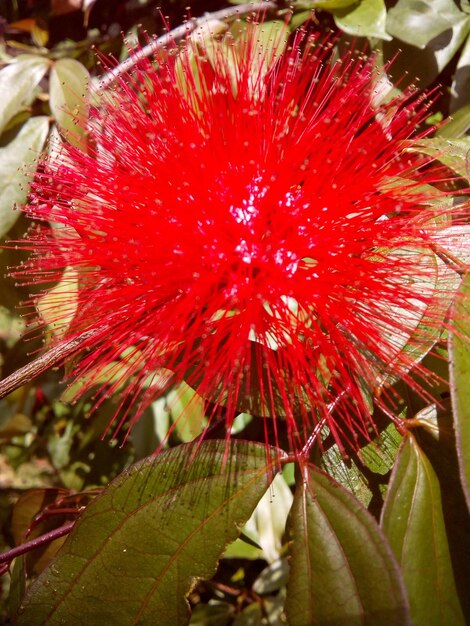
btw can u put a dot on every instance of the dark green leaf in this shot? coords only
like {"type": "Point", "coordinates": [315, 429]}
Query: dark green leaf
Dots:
{"type": "Point", "coordinates": [220, 614]}
{"type": "Point", "coordinates": [342, 569]}
{"type": "Point", "coordinates": [459, 353]}
{"type": "Point", "coordinates": [137, 550]}
{"type": "Point", "coordinates": [413, 521]}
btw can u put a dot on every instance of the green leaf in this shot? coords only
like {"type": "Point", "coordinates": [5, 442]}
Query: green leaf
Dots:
{"type": "Point", "coordinates": [460, 85]}
{"type": "Point", "coordinates": [456, 125]}
{"type": "Point", "coordinates": [68, 90]}
{"type": "Point", "coordinates": [17, 83]}
{"type": "Point", "coordinates": [366, 19]}
{"type": "Point", "coordinates": [459, 363]}
{"type": "Point", "coordinates": [272, 578]}
{"type": "Point", "coordinates": [186, 409]}
{"type": "Point", "coordinates": [342, 569]}
{"type": "Point", "coordinates": [454, 153]}
{"type": "Point", "coordinates": [419, 21]}
{"type": "Point", "coordinates": [137, 550]}
{"type": "Point", "coordinates": [16, 166]}
{"type": "Point", "coordinates": [58, 306]}
{"type": "Point", "coordinates": [323, 4]}
{"type": "Point", "coordinates": [217, 614]}
{"type": "Point", "coordinates": [265, 528]}
{"type": "Point", "coordinates": [413, 521]}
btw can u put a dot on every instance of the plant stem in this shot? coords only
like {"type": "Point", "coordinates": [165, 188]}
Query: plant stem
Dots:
{"type": "Point", "coordinates": [9, 555]}
{"type": "Point", "coordinates": [178, 33]}
{"type": "Point", "coordinates": [52, 357]}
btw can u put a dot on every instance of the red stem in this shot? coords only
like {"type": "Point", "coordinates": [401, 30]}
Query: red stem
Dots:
{"type": "Point", "coordinates": [9, 555]}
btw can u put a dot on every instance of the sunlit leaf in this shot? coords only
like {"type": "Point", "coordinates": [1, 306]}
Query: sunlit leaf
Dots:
{"type": "Point", "coordinates": [58, 306]}
{"type": "Point", "coordinates": [17, 82]}
{"type": "Point", "coordinates": [459, 358]}
{"type": "Point", "coordinates": [452, 152]}
{"type": "Point", "coordinates": [366, 19]}
{"type": "Point", "coordinates": [186, 409]}
{"type": "Point", "coordinates": [68, 90]}
{"type": "Point", "coordinates": [461, 81]}
{"type": "Point", "coordinates": [268, 523]}
{"type": "Point", "coordinates": [323, 4]}
{"type": "Point", "coordinates": [342, 569]}
{"type": "Point", "coordinates": [413, 522]}
{"type": "Point", "coordinates": [136, 551]}
{"type": "Point", "coordinates": [457, 125]}
{"type": "Point", "coordinates": [418, 23]}
{"type": "Point", "coordinates": [16, 166]}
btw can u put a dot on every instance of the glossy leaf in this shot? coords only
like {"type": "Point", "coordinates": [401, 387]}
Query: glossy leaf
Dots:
{"type": "Point", "coordinates": [366, 19]}
{"type": "Point", "coordinates": [342, 569]}
{"type": "Point", "coordinates": [16, 166]}
{"type": "Point", "coordinates": [459, 358]}
{"type": "Point", "coordinates": [137, 550]}
{"type": "Point", "coordinates": [67, 97]}
{"type": "Point", "coordinates": [445, 50]}
{"type": "Point", "coordinates": [418, 23]}
{"type": "Point", "coordinates": [17, 83]}
{"type": "Point", "coordinates": [413, 522]}
{"type": "Point", "coordinates": [461, 83]}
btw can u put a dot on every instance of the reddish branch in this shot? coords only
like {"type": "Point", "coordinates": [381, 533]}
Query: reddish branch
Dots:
{"type": "Point", "coordinates": [54, 356]}
{"type": "Point", "coordinates": [9, 555]}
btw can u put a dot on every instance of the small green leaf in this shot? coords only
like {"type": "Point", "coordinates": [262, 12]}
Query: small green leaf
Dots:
{"type": "Point", "coordinates": [17, 82]}
{"type": "Point", "coordinates": [342, 569]}
{"type": "Point", "coordinates": [413, 522]}
{"type": "Point", "coordinates": [366, 19]}
{"type": "Point", "coordinates": [136, 551]}
{"type": "Point", "coordinates": [68, 90]}
{"type": "Point", "coordinates": [459, 363]}
{"type": "Point", "coordinates": [16, 166]}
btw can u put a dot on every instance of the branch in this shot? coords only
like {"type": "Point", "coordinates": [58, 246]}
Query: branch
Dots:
{"type": "Point", "coordinates": [52, 357]}
{"type": "Point", "coordinates": [9, 555]}
{"type": "Point", "coordinates": [178, 33]}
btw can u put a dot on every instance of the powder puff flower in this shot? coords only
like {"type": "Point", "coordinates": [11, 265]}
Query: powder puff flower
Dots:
{"type": "Point", "coordinates": [251, 220]}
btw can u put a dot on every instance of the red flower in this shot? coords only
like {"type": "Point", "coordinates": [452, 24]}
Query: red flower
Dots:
{"type": "Point", "coordinates": [254, 224]}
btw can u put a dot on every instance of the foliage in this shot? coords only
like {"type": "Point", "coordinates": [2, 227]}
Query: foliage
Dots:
{"type": "Point", "coordinates": [225, 532]}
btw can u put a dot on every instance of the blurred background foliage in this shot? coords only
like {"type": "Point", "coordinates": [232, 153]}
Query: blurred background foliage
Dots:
{"type": "Point", "coordinates": [53, 459]}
